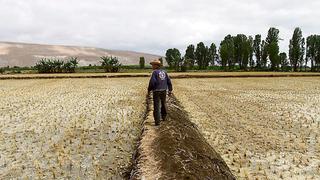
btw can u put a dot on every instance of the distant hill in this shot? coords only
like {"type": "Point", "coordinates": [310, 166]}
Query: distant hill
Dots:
{"type": "Point", "coordinates": [23, 54]}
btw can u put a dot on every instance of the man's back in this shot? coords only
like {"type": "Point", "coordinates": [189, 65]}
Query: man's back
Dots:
{"type": "Point", "coordinates": [159, 81]}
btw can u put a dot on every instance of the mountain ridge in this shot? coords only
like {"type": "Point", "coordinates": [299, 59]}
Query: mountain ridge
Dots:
{"type": "Point", "coordinates": [27, 54]}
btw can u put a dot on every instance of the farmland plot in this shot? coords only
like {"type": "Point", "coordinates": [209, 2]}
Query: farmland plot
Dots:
{"type": "Point", "coordinates": [263, 128]}
{"type": "Point", "coordinates": [69, 128]}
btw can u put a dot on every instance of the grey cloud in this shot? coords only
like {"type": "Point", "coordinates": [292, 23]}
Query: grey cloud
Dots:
{"type": "Point", "coordinates": [149, 25]}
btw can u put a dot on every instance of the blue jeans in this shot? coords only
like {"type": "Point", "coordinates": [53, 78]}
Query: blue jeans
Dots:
{"type": "Point", "coordinates": [159, 106]}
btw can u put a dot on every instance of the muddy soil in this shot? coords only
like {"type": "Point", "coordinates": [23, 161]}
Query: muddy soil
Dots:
{"type": "Point", "coordinates": [181, 151]}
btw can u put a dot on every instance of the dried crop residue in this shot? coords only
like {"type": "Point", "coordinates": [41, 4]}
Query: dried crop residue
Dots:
{"type": "Point", "coordinates": [69, 128]}
{"type": "Point", "coordinates": [264, 128]}
{"type": "Point", "coordinates": [176, 150]}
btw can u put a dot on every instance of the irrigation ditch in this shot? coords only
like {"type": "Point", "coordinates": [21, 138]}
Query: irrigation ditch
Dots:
{"type": "Point", "coordinates": [175, 149]}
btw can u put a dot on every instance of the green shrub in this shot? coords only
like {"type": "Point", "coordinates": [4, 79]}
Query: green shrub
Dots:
{"type": "Point", "coordinates": [110, 64]}
{"type": "Point", "coordinates": [142, 62]}
{"type": "Point", "coordinates": [46, 65]}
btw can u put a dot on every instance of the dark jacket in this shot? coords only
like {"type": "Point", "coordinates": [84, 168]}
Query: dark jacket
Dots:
{"type": "Point", "coordinates": [159, 81]}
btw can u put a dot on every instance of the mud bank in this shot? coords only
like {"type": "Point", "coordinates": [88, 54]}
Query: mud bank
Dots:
{"type": "Point", "coordinates": [172, 75]}
{"type": "Point", "coordinates": [176, 150]}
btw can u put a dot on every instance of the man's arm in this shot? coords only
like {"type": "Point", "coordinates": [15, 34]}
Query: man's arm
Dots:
{"type": "Point", "coordinates": [169, 83]}
{"type": "Point", "coordinates": [152, 82]}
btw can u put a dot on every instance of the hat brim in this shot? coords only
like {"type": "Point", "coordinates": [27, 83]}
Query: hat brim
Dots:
{"type": "Point", "coordinates": [154, 63]}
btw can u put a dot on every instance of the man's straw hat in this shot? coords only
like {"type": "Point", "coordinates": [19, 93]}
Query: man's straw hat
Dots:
{"type": "Point", "coordinates": [156, 62]}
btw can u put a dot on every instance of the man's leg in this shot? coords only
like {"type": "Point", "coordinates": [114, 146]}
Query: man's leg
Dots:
{"type": "Point", "coordinates": [156, 107]}
{"type": "Point", "coordinates": [163, 96]}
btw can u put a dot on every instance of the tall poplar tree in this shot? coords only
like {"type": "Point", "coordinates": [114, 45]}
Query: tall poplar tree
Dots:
{"type": "Point", "coordinates": [190, 56]}
{"type": "Point", "coordinates": [272, 42]}
{"type": "Point", "coordinates": [296, 49]}
{"type": "Point", "coordinates": [257, 50]}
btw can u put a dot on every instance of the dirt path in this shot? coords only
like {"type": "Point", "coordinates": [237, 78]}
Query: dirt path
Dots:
{"type": "Point", "coordinates": [176, 149]}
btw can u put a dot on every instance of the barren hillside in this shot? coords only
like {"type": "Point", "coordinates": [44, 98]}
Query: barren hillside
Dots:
{"type": "Point", "coordinates": [22, 54]}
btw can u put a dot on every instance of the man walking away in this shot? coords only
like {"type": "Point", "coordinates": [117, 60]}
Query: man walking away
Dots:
{"type": "Point", "coordinates": [159, 84]}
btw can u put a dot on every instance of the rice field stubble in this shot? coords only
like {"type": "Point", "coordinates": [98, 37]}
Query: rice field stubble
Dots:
{"type": "Point", "coordinates": [69, 128]}
{"type": "Point", "coordinates": [265, 128]}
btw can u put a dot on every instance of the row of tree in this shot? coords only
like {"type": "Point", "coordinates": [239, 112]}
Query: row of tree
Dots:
{"type": "Point", "coordinates": [202, 55]}
{"type": "Point", "coordinates": [248, 53]}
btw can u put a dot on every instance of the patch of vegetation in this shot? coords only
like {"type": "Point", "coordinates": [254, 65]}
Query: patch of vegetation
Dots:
{"type": "Point", "coordinates": [47, 65]}
{"type": "Point", "coordinates": [142, 62]}
{"type": "Point", "coordinates": [110, 64]}
{"type": "Point", "coordinates": [16, 70]}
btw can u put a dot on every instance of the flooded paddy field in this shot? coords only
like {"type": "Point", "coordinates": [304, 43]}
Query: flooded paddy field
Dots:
{"type": "Point", "coordinates": [69, 128]}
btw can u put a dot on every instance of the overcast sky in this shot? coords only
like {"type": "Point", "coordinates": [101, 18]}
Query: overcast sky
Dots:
{"type": "Point", "coordinates": [151, 26]}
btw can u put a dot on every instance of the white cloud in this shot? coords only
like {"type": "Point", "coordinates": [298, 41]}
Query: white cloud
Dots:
{"type": "Point", "coordinates": [149, 25]}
